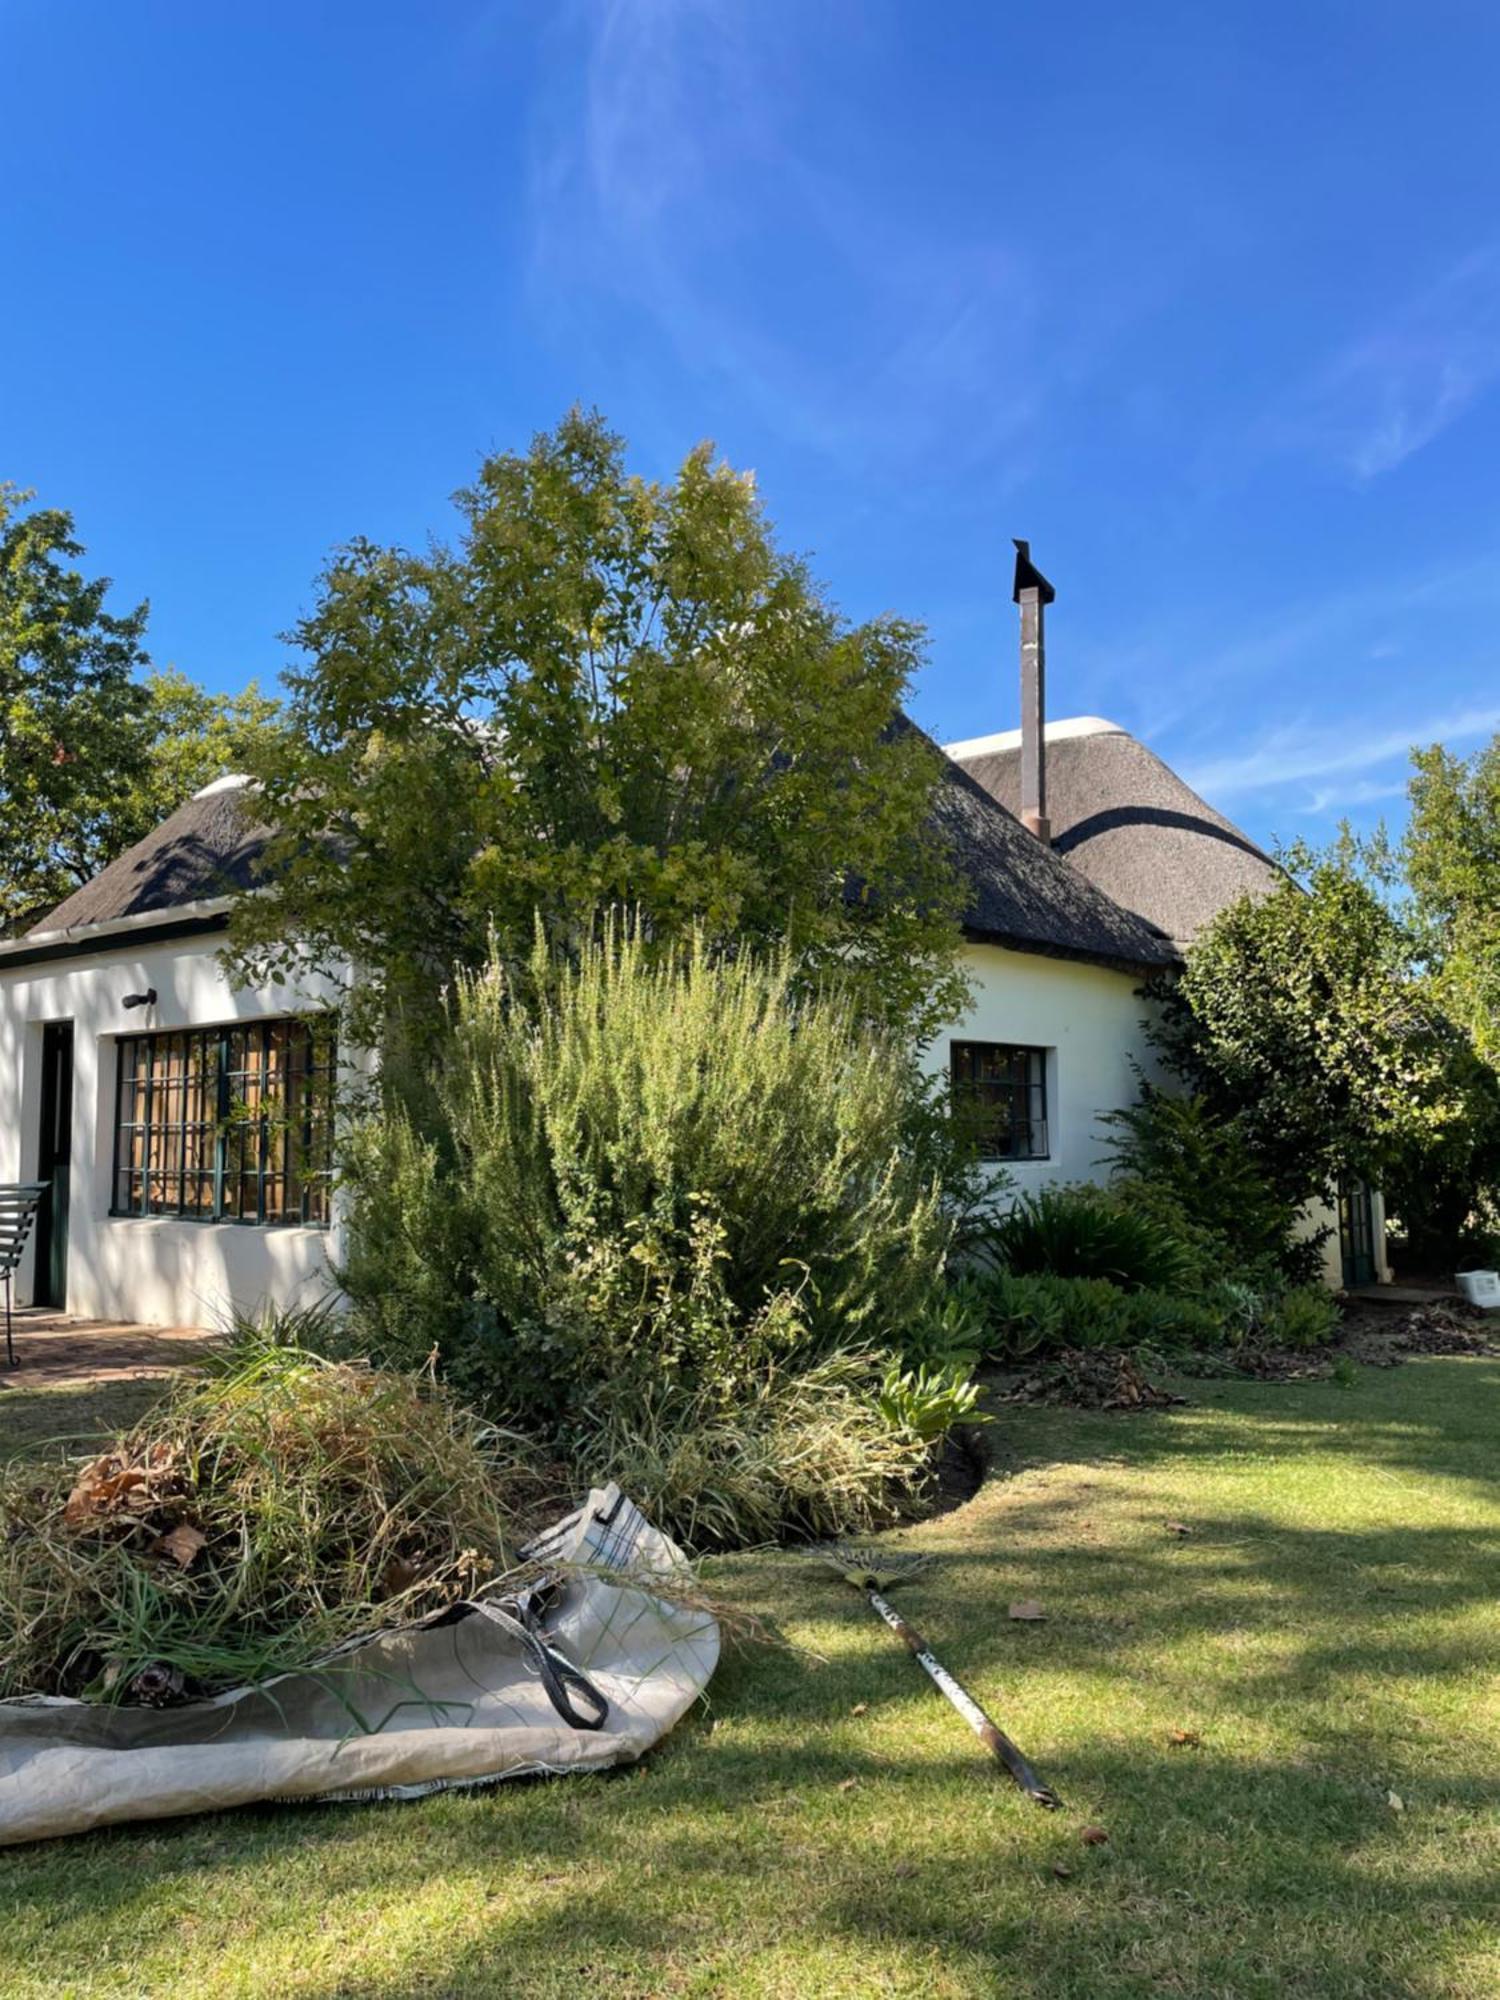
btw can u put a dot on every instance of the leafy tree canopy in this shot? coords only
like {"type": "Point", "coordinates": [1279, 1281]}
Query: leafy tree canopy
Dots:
{"type": "Point", "coordinates": [70, 702]}
{"type": "Point", "coordinates": [92, 754]}
{"type": "Point", "coordinates": [1451, 853]}
{"type": "Point", "coordinates": [1304, 1016]}
{"type": "Point", "coordinates": [610, 692]}
{"type": "Point", "coordinates": [190, 738]}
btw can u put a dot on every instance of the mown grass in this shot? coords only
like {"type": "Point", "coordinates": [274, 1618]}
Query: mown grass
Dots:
{"type": "Point", "coordinates": [75, 1417]}
{"type": "Point", "coordinates": [1328, 1631]}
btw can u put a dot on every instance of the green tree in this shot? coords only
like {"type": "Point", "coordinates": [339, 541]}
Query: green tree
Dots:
{"type": "Point", "coordinates": [71, 712]}
{"type": "Point", "coordinates": [610, 692]}
{"type": "Point", "coordinates": [192, 737]}
{"type": "Point", "coordinates": [1451, 853]}
{"type": "Point", "coordinates": [1448, 868]}
{"type": "Point", "coordinates": [1304, 1016]}
{"type": "Point", "coordinates": [92, 754]}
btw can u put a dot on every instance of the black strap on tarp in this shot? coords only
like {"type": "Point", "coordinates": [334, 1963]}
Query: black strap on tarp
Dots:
{"type": "Point", "coordinates": [557, 1673]}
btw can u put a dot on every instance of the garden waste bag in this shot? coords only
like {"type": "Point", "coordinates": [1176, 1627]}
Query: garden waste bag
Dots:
{"type": "Point", "coordinates": [588, 1666]}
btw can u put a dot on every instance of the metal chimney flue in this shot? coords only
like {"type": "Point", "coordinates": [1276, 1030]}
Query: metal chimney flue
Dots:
{"type": "Point", "coordinates": [1033, 593]}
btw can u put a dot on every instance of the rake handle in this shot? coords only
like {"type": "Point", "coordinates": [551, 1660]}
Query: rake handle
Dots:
{"type": "Point", "coordinates": [990, 1735]}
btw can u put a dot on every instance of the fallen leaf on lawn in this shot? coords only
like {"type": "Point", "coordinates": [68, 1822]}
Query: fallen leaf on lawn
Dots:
{"type": "Point", "coordinates": [1395, 1801]}
{"type": "Point", "coordinates": [1027, 1609]}
{"type": "Point", "coordinates": [1178, 1528]}
{"type": "Point", "coordinates": [1093, 1836]}
{"type": "Point", "coordinates": [847, 1784]}
{"type": "Point", "coordinates": [1061, 1870]}
{"type": "Point", "coordinates": [1185, 1738]}
{"type": "Point", "coordinates": [860, 1708]}
{"type": "Point", "coordinates": [183, 1544]}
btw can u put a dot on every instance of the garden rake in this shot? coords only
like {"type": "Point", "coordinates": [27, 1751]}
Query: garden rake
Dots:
{"type": "Point", "coordinates": [873, 1572]}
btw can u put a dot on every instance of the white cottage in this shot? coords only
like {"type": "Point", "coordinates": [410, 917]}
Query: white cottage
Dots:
{"type": "Point", "coordinates": [181, 1122]}
{"type": "Point", "coordinates": [184, 1126]}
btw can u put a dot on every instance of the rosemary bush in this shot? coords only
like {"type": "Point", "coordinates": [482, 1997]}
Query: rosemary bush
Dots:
{"type": "Point", "coordinates": [656, 1179]}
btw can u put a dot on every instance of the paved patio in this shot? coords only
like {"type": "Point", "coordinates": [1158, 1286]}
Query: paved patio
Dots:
{"type": "Point", "coordinates": [56, 1352]}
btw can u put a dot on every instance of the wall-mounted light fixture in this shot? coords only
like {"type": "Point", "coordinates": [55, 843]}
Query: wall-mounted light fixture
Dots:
{"type": "Point", "coordinates": [146, 999]}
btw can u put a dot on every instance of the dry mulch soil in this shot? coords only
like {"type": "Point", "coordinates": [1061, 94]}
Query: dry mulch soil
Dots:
{"type": "Point", "coordinates": [1375, 1336]}
{"type": "Point", "coordinates": [1087, 1379]}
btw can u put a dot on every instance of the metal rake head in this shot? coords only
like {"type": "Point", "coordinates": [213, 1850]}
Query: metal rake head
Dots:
{"type": "Point", "coordinates": [869, 1568]}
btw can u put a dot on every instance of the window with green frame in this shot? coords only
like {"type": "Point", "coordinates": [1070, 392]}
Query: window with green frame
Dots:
{"type": "Point", "coordinates": [226, 1124]}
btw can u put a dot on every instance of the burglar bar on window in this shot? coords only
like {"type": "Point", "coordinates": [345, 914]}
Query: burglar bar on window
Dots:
{"type": "Point", "coordinates": [1004, 1088]}
{"type": "Point", "coordinates": [226, 1124]}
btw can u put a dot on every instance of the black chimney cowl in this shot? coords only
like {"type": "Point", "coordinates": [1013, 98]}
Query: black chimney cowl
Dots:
{"type": "Point", "coordinates": [1028, 576]}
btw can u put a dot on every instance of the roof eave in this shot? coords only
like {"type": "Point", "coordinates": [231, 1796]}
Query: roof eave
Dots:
{"type": "Point", "coordinates": [1077, 954]}
{"type": "Point", "coordinates": [177, 920]}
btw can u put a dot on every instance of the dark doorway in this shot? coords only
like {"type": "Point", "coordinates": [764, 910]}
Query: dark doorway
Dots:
{"type": "Point", "coordinates": [1356, 1233]}
{"type": "Point", "coordinates": [54, 1157]}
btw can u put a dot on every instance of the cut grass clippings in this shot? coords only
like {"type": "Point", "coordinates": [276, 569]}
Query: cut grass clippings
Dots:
{"type": "Point", "coordinates": [1233, 1709]}
{"type": "Point", "coordinates": [250, 1522]}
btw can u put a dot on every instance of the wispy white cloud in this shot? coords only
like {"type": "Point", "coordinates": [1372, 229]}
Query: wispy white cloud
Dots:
{"type": "Point", "coordinates": [1294, 754]}
{"type": "Point", "coordinates": [1389, 393]}
{"type": "Point", "coordinates": [1391, 615]}
{"type": "Point", "coordinates": [1345, 798]}
{"type": "Point", "coordinates": [678, 173]}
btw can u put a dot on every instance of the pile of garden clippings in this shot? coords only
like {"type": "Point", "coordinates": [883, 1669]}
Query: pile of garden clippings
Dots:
{"type": "Point", "coordinates": [1376, 1336]}
{"type": "Point", "coordinates": [1090, 1379]}
{"type": "Point", "coordinates": [1383, 1339]}
{"type": "Point", "coordinates": [608, 1649]}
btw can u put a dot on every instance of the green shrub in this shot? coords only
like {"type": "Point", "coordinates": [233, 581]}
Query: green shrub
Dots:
{"type": "Point", "coordinates": [1081, 1233]}
{"type": "Point", "coordinates": [1177, 1320]}
{"type": "Point", "coordinates": [952, 1330]}
{"type": "Point", "coordinates": [927, 1402]}
{"type": "Point", "coordinates": [669, 1164]}
{"type": "Point", "coordinates": [1039, 1314]}
{"type": "Point", "coordinates": [657, 1181]}
{"type": "Point", "coordinates": [1033, 1312]}
{"type": "Point", "coordinates": [1193, 1173]}
{"type": "Point", "coordinates": [1306, 1316]}
{"type": "Point", "coordinates": [801, 1450]}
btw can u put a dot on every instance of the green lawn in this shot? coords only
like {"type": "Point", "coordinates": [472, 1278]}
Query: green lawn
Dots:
{"type": "Point", "coordinates": [33, 1420]}
{"type": "Point", "coordinates": [1329, 1631]}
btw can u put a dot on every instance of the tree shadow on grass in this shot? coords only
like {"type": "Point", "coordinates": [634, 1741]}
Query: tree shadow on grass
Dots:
{"type": "Point", "coordinates": [72, 1419]}
{"type": "Point", "coordinates": [1240, 1884]}
{"type": "Point", "coordinates": [1431, 1416]}
{"type": "Point", "coordinates": [1265, 1860]}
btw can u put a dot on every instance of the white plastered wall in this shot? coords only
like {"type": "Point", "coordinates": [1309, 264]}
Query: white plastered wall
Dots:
{"type": "Point", "coordinates": [1091, 1022]}
{"type": "Point", "coordinates": [158, 1270]}
{"type": "Point", "coordinates": [1088, 1018]}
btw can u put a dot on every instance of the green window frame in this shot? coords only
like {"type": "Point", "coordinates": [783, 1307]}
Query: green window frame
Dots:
{"type": "Point", "coordinates": [232, 1123]}
{"type": "Point", "coordinates": [1005, 1084]}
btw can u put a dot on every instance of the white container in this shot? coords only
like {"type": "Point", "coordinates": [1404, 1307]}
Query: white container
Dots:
{"type": "Point", "coordinates": [1481, 1288]}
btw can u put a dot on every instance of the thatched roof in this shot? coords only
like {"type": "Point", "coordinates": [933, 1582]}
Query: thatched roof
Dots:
{"type": "Point", "coordinates": [1020, 893]}
{"type": "Point", "coordinates": [1124, 819]}
{"type": "Point", "coordinates": [208, 848]}
{"type": "Point", "coordinates": [1025, 895]}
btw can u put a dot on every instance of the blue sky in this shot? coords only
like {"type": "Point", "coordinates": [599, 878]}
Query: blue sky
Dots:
{"type": "Point", "coordinates": [1205, 300]}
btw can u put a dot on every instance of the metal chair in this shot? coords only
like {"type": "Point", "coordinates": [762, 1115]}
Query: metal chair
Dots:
{"type": "Point", "coordinates": [19, 1202]}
